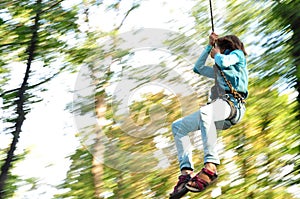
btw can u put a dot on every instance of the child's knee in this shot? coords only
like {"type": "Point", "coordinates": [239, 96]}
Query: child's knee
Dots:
{"type": "Point", "coordinates": [176, 126]}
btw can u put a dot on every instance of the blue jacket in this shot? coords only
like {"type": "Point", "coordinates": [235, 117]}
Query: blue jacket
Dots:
{"type": "Point", "coordinates": [233, 64]}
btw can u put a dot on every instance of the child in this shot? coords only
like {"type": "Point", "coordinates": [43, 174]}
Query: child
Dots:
{"type": "Point", "coordinates": [224, 110]}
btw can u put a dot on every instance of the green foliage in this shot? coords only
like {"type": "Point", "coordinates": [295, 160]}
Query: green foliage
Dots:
{"type": "Point", "coordinates": [79, 182]}
{"type": "Point", "coordinates": [261, 144]}
{"type": "Point", "coordinates": [260, 156]}
{"type": "Point", "coordinates": [259, 151]}
{"type": "Point", "coordinates": [17, 21]}
{"type": "Point", "coordinates": [13, 181]}
{"type": "Point", "coordinates": [54, 23]}
{"type": "Point", "coordinates": [31, 33]}
{"type": "Point", "coordinates": [11, 186]}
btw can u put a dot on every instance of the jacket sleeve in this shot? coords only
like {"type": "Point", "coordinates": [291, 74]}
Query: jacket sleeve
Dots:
{"type": "Point", "coordinates": [200, 67]}
{"type": "Point", "coordinates": [227, 60]}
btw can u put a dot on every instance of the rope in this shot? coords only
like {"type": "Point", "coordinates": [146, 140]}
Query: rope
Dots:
{"type": "Point", "coordinates": [211, 17]}
{"type": "Point", "coordinates": [235, 94]}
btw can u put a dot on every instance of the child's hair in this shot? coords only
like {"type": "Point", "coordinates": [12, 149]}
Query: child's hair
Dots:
{"type": "Point", "coordinates": [231, 42]}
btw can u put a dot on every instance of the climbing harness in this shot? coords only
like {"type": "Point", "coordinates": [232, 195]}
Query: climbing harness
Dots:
{"type": "Point", "coordinates": [232, 91]}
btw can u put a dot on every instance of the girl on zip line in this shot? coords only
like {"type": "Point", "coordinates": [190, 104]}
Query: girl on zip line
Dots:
{"type": "Point", "coordinates": [226, 108]}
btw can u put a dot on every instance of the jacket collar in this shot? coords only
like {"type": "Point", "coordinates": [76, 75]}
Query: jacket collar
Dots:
{"type": "Point", "coordinates": [226, 52]}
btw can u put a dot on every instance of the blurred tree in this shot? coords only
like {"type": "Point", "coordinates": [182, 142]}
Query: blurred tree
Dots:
{"type": "Point", "coordinates": [271, 29]}
{"type": "Point", "coordinates": [10, 184]}
{"type": "Point", "coordinates": [91, 55]}
{"type": "Point", "coordinates": [284, 16]}
{"type": "Point", "coordinates": [31, 34]}
{"type": "Point", "coordinates": [101, 173]}
{"type": "Point", "coordinates": [257, 154]}
{"type": "Point", "coordinates": [259, 146]}
{"type": "Point", "coordinates": [79, 182]}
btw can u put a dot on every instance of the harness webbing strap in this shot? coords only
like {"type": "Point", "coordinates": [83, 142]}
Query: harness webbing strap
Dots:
{"type": "Point", "coordinates": [235, 94]}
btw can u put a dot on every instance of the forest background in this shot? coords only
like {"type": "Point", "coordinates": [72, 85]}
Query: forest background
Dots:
{"type": "Point", "coordinates": [89, 89]}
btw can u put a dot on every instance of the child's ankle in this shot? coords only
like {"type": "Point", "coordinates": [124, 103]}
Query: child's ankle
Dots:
{"type": "Point", "coordinates": [186, 171]}
{"type": "Point", "coordinates": [211, 166]}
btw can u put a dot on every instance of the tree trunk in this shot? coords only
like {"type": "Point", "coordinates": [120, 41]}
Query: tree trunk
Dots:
{"type": "Point", "coordinates": [98, 150]}
{"type": "Point", "coordinates": [296, 54]}
{"type": "Point", "coordinates": [20, 102]}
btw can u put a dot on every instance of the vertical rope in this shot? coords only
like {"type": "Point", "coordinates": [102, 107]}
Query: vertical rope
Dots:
{"type": "Point", "coordinates": [211, 17]}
